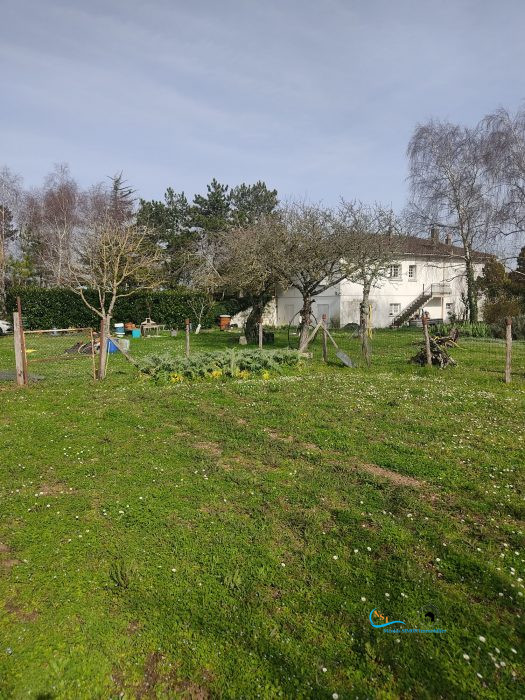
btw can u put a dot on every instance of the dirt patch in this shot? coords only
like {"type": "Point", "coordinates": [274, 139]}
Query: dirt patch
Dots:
{"type": "Point", "coordinates": [161, 677]}
{"type": "Point", "coordinates": [211, 448]}
{"type": "Point", "coordinates": [276, 435]}
{"type": "Point", "coordinates": [9, 563]}
{"type": "Point", "coordinates": [53, 489]}
{"type": "Point", "coordinates": [394, 477]}
{"type": "Point", "coordinates": [19, 613]}
{"type": "Point", "coordinates": [133, 627]}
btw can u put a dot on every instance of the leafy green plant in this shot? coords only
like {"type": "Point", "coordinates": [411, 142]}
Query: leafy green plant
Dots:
{"type": "Point", "coordinates": [120, 573]}
{"type": "Point", "coordinates": [226, 363]}
{"type": "Point", "coordinates": [469, 330]}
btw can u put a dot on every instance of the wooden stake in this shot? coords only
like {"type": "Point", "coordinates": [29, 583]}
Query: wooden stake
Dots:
{"type": "Point", "coordinates": [260, 333]}
{"type": "Point", "coordinates": [187, 337]}
{"type": "Point", "coordinates": [93, 353]}
{"type": "Point", "coordinates": [508, 349]}
{"type": "Point", "coordinates": [427, 341]}
{"type": "Point", "coordinates": [325, 349]}
{"type": "Point", "coordinates": [18, 350]}
{"type": "Point", "coordinates": [22, 341]}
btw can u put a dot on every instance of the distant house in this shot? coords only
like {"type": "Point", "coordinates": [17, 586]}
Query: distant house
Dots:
{"type": "Point", "coordinates": [429, 276]}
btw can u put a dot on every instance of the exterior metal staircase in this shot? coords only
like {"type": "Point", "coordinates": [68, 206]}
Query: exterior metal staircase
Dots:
{"type": "Point", "coordinates": [428, 293]}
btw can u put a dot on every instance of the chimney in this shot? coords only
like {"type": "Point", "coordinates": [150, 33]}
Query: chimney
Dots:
{"type": "Point", "coordinates": [448, 239]}
{"type": "Point", "coordinates": [434, 234]}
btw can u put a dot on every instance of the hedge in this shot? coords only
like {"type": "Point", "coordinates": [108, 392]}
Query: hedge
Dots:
{"type": "Point", "coordinates": [62, 308]}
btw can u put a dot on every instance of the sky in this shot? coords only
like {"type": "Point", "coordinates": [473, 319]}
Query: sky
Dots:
{"type": "Point", "coordinates": [318, 98]}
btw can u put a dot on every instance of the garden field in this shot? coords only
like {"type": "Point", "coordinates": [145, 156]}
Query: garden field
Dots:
{"type": "Point", "coordinates": [230, 538]}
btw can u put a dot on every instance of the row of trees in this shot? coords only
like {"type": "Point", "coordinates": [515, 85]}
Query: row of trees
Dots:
{"type": "Point", "coordinates": [241, 241]}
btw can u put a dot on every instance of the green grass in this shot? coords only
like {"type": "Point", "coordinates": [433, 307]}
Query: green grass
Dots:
{"type": "Point", "coordinates": [229, 538]}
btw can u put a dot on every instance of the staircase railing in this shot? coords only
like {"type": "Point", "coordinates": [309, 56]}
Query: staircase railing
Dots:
{"type": "Point", "coordinates": [436, 289]}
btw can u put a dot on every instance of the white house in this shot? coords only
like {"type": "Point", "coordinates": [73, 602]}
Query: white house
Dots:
{"type": "Point", "coordinates": [429, 276]}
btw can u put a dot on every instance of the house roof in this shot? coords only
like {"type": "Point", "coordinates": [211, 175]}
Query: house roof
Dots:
{"type": "Point", "coordinates": [414, 245]}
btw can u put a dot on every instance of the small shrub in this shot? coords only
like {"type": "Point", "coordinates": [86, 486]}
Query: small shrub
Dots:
{"type": "Point", "coordinates": [468, 330]}
{"type": "Point", "coordinates": [216, 365]}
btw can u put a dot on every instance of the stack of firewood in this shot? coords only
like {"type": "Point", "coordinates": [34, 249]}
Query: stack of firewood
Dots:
{"type": "Point", "coordinates": [438, 352]}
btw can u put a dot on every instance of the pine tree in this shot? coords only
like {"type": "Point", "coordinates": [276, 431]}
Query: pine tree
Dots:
{"type": "Point", "coordinates": [171, 226]}
{"type": "Point", "coordinates": [212, 212]}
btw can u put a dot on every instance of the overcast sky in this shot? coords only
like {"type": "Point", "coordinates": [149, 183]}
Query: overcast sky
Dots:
{"type": "Point", "coordinates": [316, 97]}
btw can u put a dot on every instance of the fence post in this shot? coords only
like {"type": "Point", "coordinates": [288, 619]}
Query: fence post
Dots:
{"type": "Point", "coordinates": [325, 350]}
{"type": "Point", "coordinates": [260, 333]}
{"type": "Point", "coordinates": [93, 353]}
{"type": "Point", "coordinates": [18, 350]}
{"type": "Point", "coordinates": [427, 341]}
{"type": "Point", "coordinates": [22, 341]}
{"type": "Point", "coordinates": [187, 337]}
{"type": "Point", "coordinates": [508, 349]}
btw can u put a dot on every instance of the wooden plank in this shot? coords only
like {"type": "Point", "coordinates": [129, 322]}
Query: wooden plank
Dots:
{"type": "Point", "coordinates": [128, 357]}
{"type": "Point", "coordinates": [57, 330]}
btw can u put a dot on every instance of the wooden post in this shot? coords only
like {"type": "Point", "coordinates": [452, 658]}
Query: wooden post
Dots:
{"type": "Point", "coordinates": [22, 341]}
{"type": "Point", "coordinates": [260, 333]}
{"type": "Point", "coordinates": [18, 350]}
{"type": "Point", "coordinates": [508, 349]}
{"type": "Point", "coordinates": [325, 350]}
{"type": "Point", "coordinates": [427, 341]}
{"type": "Point", "coordinates": [103, 350]}
{"type": "Point", "coordinates": [187, 337]}
{"type": "Point", "coordinates": [93, 353]}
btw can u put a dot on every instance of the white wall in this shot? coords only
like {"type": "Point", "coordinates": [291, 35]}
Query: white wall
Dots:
{"type": "Point", "coordinates": [290, 302]}
{"type": "Point", "coordinates": [341, 302]}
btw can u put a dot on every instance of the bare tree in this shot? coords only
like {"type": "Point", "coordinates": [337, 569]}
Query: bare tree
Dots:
{"type": "Point", "coordinates": [248, 269]}
{"type": "Point", "coordinates": [505, 159]}
{"type": "Point", "coordinates": [373, 241]}
{"type": "Point", "coordinates": [306, 254]}
{"type": "Point", "coordinates": [449, 185]}
{"type": "Point", "coordinates": [51, 217]}
{"type": "Point", "coordinates": [115, 261]}
{"type": "Point", "coordinates": [10, 190]}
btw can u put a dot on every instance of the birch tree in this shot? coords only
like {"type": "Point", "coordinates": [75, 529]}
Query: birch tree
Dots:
{"type": "Point", "coordinates": [449, 185]}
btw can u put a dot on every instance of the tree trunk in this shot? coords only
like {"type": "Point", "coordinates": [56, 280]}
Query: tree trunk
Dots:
{"type": "Point", "coordinates": [104, 334]}
{"type": "Point", "coordinates": [306, 313]}
{"type": "Point", "coordinates": [251, 327]}
{"type": "Point", "coordinates": [472, 296]}
{"type": "Point", "coordinates": [3, 265]}
{"type": "Point", "coordinates": [364, 323]}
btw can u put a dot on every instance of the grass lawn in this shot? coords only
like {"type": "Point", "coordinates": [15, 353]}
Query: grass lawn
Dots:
{"type": "Point", "coordinates": [230, 538]}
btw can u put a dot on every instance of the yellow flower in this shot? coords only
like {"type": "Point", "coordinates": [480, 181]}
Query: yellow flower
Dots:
{"type": "Point", "coordinates": [216, 373]}
{"type": "Point", "coordinates": [266, 374]}
{"type": "Point", "coordinates": [176, 377]}
{"type": "Point", "coordinates": [243, 374]}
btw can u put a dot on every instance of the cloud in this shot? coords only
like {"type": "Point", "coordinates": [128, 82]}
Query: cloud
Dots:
{"type": "Point", "coordinates": [317, 97]}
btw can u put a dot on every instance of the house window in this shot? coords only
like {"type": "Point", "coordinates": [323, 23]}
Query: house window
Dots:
{"type": "Point", "coordinates": [394, 272]}
{"type": "Point", "coordinates": [412, 270]}
{"type": "Point", "coordinates": [395, 309]}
